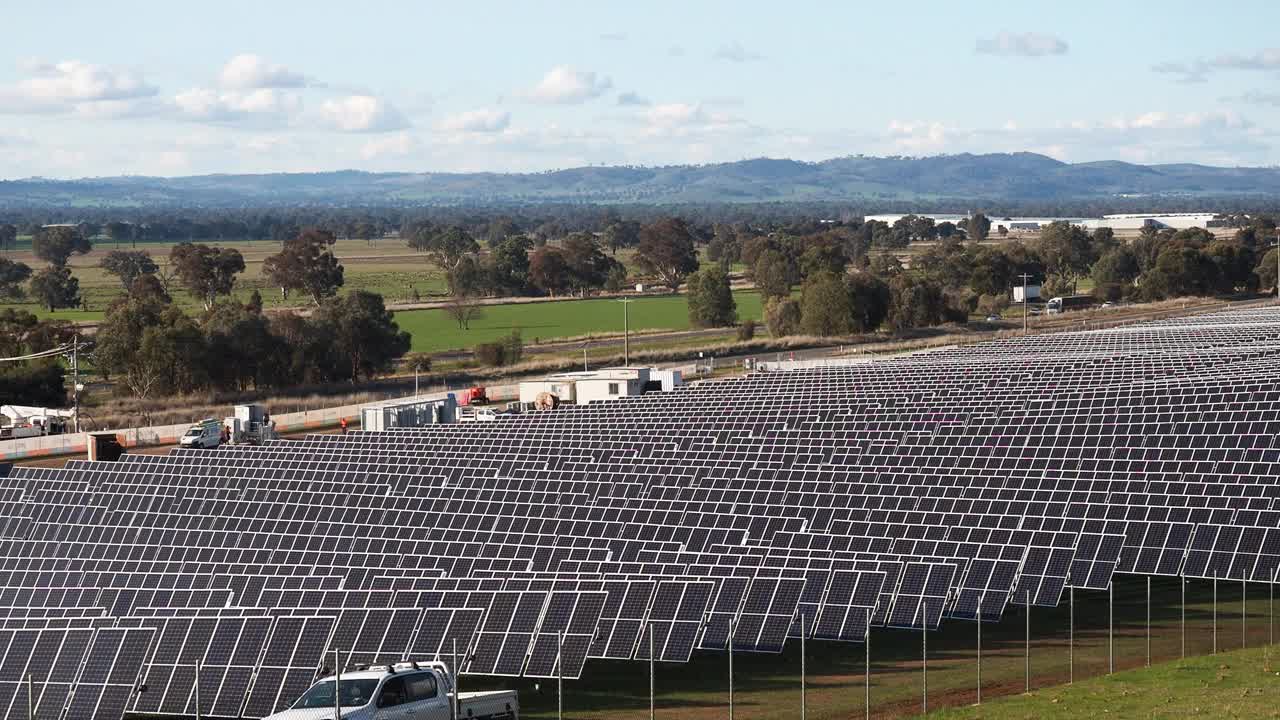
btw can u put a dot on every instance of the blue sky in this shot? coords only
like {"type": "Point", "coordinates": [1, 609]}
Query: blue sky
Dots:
{"type": "Point", "coordinates": [172, 88]}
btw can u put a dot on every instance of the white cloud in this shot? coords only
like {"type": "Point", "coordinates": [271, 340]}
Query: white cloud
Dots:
{"type": "Point", "coordinates": [363, 113]}
{"type": "Point", "coordinates": [565, 85]}
{"type": "Point", "coordinates": [674, 114]}
{"type": "Point", "coordinates": [248, 71]}
{"type": "Point", "coordinates": [918, 137]}
{"type": "Point", "coordinates": [1256, 97]}
{"type": "Point", "coordinates": [613, 36]}
{"type": "Point", "coordinates": [1026, 44]}
{"type": "Point", "coordinates": [632, 99]}
{"type": "Point", "coordinates": [394, 145]}
{"type": "Point", "coordinates": [735, 52]}
{"type": "Point", "coordinates": [1196, 71]}
{"type": "Point", "coordinates": [264, 106]}
{"type": "Point", "coordinates": [64, 86]}
{"type": "Point", "coordinates": [477, 121]}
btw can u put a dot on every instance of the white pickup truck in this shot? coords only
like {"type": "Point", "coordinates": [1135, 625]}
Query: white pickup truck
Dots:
{"type": "Point", "coordinates": [404, 691]}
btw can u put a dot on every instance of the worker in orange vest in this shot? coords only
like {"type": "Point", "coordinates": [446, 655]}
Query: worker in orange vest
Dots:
{"type": "Point", "coordinates": [343, 423]}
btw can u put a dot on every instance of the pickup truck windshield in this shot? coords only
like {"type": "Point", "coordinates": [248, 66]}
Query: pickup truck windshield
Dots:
{"type": "Point", "coordinates": [353, 693]}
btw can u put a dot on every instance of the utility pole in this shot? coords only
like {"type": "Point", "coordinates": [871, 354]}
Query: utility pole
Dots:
{"type": "Point", "coordinates": [75, 382]}
{"type": "Point", "coordinates": [1025, 302]}
{"type": "Point", "coordinates": [626, 333]}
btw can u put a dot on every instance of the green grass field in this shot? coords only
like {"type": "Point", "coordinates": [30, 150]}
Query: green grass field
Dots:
{"type": "Point", "coordinates": [768, 686]}
{"type": "Point", "coordinates": [434, 330]}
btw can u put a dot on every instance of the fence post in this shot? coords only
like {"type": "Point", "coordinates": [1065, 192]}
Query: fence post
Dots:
{"type": "Point", "coordinates": [1244, 611]}
{"type": "Point", "coordinates": [1111, 628]}
{"type": "Point", "coordinates": [198, 714]}
{"type": "Point", "coordinates": [31, 698]}
{"type": "Point", "coordinates": [457, 671]}
{"type": "Point", "coordinates": [1182, 583]}
{"type": "Point", "coordinates": [1215, 612]}
{"type": "Point", "coordinates": [1071, 635]}
{"type": "Point", "coordinates": [1027, 651]}
{"type": "Point", "coordinates": [337, 685]}
{"type": "Point", "coordinates": [1148, 621]}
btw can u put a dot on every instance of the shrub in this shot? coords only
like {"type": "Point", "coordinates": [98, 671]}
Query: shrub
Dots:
{"type": "Point", "coordinates": [747, 330]}
{"type": "Point", "coordinates": [782, 317]}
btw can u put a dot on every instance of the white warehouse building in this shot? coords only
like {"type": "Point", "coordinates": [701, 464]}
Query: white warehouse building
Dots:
{"type": "Point", "coordinates": [1126, 221]}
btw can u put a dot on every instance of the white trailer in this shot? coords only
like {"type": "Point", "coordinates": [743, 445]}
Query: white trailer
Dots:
{"type": "Point", "coordinates": [1032, 293]}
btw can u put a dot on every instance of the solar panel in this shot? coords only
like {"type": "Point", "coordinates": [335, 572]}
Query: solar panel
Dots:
{"type": "Point", "coordinates": [565, 634]}
{"type": "Point", "coordinates": [850, 601]}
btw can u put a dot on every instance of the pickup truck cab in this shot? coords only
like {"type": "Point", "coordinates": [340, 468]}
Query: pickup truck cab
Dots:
{"type": "Point", "coordinates": [405, 691]}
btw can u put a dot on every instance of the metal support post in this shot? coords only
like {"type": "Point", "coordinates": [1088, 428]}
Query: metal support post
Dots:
{"type": "Point", "coordinates": [198, 713]}
{"type": "Point", "coordinates": [31, 698]}
{"type": "Point", "coordinates": [803, 632]}
{"type": "Point", "coordinates": [1271, 609]}
{"type": "Point", "coordinates": [979, 654]}
{"type": "Point", "coordinates": [1026, 658]}
{"type": "Point", "coordinates": [1071, 635]}
{"type": "Point", "coordinates": [924, 659]}
{"type": "Point", "coordinates": [1111, 628]}
{"type": "Point", "coordinates": [1182, 582]}
{"type": "Point", "coordinates": [1215, 612]}
{"type": "Point", "coordinates": [626, 333]}
{"type": "Point", "coordinates": [456, 671]}
{"type": "Point", "coordinates": [651, 705]}
{"type": "Point", "coordinates": [559, 675]}
{"type": "Point", "coordinates": [1148, 621]}
{"type": "Point", "coordinates": [1024, 276]}
{"type": "Point", "coordinates": [866, 669]}
{"type": "Point", "coordinates": [1244, 611]}
{"type": "Point", "coordinates": [733, 633]}
{"type": "Point", "coordinates": [337, 685]}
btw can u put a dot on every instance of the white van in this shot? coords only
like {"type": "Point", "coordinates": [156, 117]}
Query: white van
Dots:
{"type": "Point", "coordinates": [205, 434]}
{"type": "Point", "coordinates": [405, 691]}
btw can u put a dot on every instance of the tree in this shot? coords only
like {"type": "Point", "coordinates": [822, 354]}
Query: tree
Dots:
{"type": "Point", "coordinates": [548, 270]}
{"type": "Point", "coordinates": [509, 267]}
{"type": "Point", "coordinates": [1180, 271]}
{"type": "Point", "coordinates": [55, 288]}
{"type": "Point", "coordinates": [12, 275]}
{"type": "Point", "coordinates": [468, 278]}
{"type": "Point", "coordinates": [885, 265]}
{"type": "Point", "coordinates": [464, 309]}
{"type": "Point", "coordinates": [820, 256]}
{"type": "Point", "coordinates": [977, 227]}
{"type": "Point", "coordinates": [56, 244]}
{"type": "Point", "coordinates": [621, 234]}
{"type": "Point", "coordinates": [869, 296]}
{"type": "Point", "coordinates": [946, 263]}
{"type": "Point", "coordinates": [128, 265]}
{"type": "Point", "coordinates": [8, 236]}
{"type": "Point", "coordinates": [446, 249]}
{"type": "Point", "coordinates": [1266, 270]}
{"type": "Point", "coordinates": [782, 316]}
{"type": "Point", "coordinates": [307, 264]}
{"type": "Point", "coordinates": [1115, 272]}
{"type": "Point", "coordinates": [666, 250]}
{"type": "Point", "coordinates": [914, 302]}
{"type": "Point", "coordinates": [711, 302]}
{"type": "Point", "coordinates": [588, 266]}
{"type": "Point", "coordinates": [991, 272]}
{"type": "Point", "coordinates": [773, 274]}
{"type": "Point", "coordinates": [117, 231]}
{"type": "Point", "coordinates": [1067, 250]}
{"type": "Point", "coordinates": [826, 308]}
{"type": "Point", "coordinates": [1235, 262]}
{"type": "Point", "coordinates": [363, 332]}
{"type": "Point", "coordinates": [725, 247]}
{"type": "Point", "coordinates": [206, 272]}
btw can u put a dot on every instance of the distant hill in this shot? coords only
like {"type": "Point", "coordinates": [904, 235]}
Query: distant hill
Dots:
{"type": "Point", "coordinates": [1017, 177]}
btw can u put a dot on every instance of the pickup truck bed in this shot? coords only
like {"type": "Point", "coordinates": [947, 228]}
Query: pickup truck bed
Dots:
{"type": "Point", "coordinates": [488, 704]}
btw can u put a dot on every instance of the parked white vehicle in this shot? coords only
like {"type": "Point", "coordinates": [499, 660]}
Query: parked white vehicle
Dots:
{"type": "Point", "coordinates": [205, 434]}
{"type": "Point", "coordinates": [404, 691]}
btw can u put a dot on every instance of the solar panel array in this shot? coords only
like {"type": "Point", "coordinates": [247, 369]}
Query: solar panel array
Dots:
{"type": "Point", "coordinates": [741, 513]}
